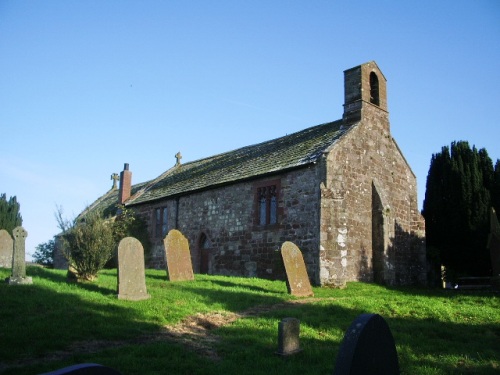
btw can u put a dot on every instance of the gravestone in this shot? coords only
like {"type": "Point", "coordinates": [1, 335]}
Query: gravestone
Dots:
{"type": "Point", "coordinates": [84, 369]}
{"type": "Point", "coordinates": [19, 258]}
{"type": "Point", "coordinates": [131, 274]}
{"type": "Point", "coordinates": [60, 262]}
{"type": "Point", "coordinates": [494, 246]}
{"type": "Point", "coordinates": [288, 336]}
{"type": "Point", "coordinates": [298, 283]}
{"type": "Point", "coordinates": [367, 348]}
{"type": "Point", "coordinates": [179, 264]}
{"type": "Point", "coordinates": [6, 249]}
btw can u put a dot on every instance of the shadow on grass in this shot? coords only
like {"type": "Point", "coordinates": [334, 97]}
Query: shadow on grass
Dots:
{"type": "Point", "coordinates": [61, 277]}
{"type": "Point", "coordinates": [48, 316]}
{"type": "Point", "coordinates": [424, 340]}
{"type": "Point", "coordinates": [248, 345]}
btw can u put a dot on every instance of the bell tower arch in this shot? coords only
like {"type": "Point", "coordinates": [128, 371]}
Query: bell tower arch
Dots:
{"type": "Point", "coordinates": [364, 87]}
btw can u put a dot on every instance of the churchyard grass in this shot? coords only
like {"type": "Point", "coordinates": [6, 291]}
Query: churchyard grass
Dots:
{"type": "Point", "coordinates": [52, 324]}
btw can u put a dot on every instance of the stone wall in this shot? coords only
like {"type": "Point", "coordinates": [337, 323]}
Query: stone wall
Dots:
{"type": "Point", "coordinates": [370, 198]}
{"type": "Point", "coordinates": [226, 216]}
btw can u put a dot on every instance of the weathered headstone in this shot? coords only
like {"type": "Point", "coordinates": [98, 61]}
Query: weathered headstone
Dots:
{"type": "Point", "coordinates": [288, 336]}
{"type": "Point", "coordinates": [84, 369]}
{"type": "Point", "coordinates": [60, 262]}
{"type": "Point", "coordinates": [298, 283]}
{"type": "Point", "coordinates": [6, 249]}
{"type": "Point", "coordinates": [19, 258]}
{"type": "Point", "coordinates": [368, 348]}
{"type": "Point", "coordinates": [131, 274]}
{"type": "Point", "coordinates": [494, 246]}
{"type": "Point", "coordinates": [179, 264]}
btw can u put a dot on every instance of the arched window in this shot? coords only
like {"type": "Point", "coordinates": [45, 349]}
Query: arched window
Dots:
{"type": "Point", "coordinates": [374, 89]}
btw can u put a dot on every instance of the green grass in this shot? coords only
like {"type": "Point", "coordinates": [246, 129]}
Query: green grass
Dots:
{"type": "Point", "coordinates": [436, 331]}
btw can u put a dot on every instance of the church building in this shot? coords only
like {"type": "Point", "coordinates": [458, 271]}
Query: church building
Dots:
{"type": "Point", "coordinates": [341, 191]}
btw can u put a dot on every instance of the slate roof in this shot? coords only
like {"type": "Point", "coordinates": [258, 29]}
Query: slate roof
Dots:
{"type": "Point", "coordinates": [280, 154]}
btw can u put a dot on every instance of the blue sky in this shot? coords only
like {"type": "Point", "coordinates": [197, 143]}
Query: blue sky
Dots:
{"type": "Point", "coordinates": [86, 86]}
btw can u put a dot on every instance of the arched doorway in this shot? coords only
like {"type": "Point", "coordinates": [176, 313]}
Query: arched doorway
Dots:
{"type": "Point", "coordinates": [204, 245]}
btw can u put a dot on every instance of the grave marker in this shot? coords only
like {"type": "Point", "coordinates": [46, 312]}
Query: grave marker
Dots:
{"type": "Point", "coordinates": [6, 249]}
{"type": "Point", "coordinates": [19, 258]}
{"type": "Point", "coordinates": [298, 283]}
{"type": "Point", "coordinates": [367, 348]}
{"type": "Point", "coordinates": [494, 246]}
{"type": "Point", "coordinates": [288, 336]}
{"type": "Point", "coordinates": [179, 265]}
{"type": "Point", "coordinates": [131, 274]}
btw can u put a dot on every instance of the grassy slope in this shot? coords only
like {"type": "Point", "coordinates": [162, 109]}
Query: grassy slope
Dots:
{"type": "Point", "coordinates": [436, 331]}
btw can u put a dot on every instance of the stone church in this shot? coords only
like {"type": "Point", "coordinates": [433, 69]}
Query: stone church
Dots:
{"type": "Point", "coordinates": [341, 191]}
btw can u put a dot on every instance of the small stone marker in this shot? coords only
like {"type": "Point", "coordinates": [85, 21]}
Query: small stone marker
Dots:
{"type": "Point", "coordinates": [131, 274]}
{"type": "Point", "coordinates": [179, 264]}
{"type": "Point", "coordinates": [84, 369]}
{"type": "Point", "coordinates": [6, 249]}
{"type": "Point", "coordinates": [368, 348]}
{"type": "Point", "coordinates": [19, 258]}
{"type": "Point", "coordinates": [288, 336]}
{"type": "Point", "coordinates": [298, 281]}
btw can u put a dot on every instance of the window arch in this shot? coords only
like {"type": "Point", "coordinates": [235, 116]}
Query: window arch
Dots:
{"type": "Point", "coordinates": [374, 89]}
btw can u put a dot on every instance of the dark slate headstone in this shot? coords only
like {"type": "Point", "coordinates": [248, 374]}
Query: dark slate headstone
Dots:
{"type": "Point", "coordinates": [179, 264]}
{"type": "Point", "coordinates": [494, 246]}
{"type": "Point", "coordinates": [288, 336]}
{"type": "Point", "coordinates": [368, 348]}
{"type": "Point", "coordinates": [60, 262]}
{"type": "Point", "coordinates": [131, 274]}
{"type": "Point", "coordinates": [19, 258]}
{"type": "Point", "coordinates": [6, 249]}
{"type": "Point", "coordinates": [84, 369]}
{"type": "Point", "coordinates": [297, 279]}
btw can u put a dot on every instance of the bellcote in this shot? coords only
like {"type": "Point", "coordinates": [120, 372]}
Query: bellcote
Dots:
{"type": "Point", "coordinates": [364, 86]}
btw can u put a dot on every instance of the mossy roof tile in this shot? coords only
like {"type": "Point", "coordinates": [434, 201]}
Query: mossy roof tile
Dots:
{"type": "Point", "coordinates": [293, 150]}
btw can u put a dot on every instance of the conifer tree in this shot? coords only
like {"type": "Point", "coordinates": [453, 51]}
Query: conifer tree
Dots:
{"type": "Point", "coordinates": [10, 215]}
{"type": "Point", "coordinates": [456, 208]}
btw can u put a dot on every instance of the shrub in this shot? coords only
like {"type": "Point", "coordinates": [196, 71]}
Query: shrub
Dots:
{"type": "Point", "coordinates": [88, 244]}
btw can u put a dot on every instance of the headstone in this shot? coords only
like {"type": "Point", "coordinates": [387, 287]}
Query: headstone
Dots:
{"type": "Point", "coordinates": [19, 258]}
{"type": "Point", "coordinates": [179, 264]}
{"type": "Point", "coordinates": [60, 262]}
{"type": "Point", "coordinates": [368, 348]}
{"type": "Point", "coordinates": [298, 283]}
{"type": "Point", "coordinates": [131, 274]}
{"type": "Point", "coordinates": [6, 249]}
{"type": "Point", "coordinates": [84, 369]}
{"type": "Point", "coordinates": [288, 336]}
{"type": "Point", "coordinates": [494, 246]}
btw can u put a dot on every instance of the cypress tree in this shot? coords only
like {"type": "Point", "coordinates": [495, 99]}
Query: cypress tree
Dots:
{"type": "Point", "coordinates": [456, 209]}
{"type": "Point", "coordinates": [10, 215]}
{"type": "Point", "coordinates": [495, 190]}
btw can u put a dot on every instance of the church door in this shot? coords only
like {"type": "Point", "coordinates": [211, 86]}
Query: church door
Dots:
{"type": "Point", "coordinates": [204, 246]}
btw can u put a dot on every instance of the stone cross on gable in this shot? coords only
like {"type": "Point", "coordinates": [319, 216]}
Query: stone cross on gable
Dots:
{"type": "Point", "coordinates": [115, 177]}
{"type": "Point", "coordinates": [178, 158]}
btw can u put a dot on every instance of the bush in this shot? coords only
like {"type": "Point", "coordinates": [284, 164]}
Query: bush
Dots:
{"type": "Point", "coordinates": [88, 244]}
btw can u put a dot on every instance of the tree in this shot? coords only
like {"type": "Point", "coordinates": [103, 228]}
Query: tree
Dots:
{"type": "Point", "coordinates": [44, 253]}
{"type": "Point", "coordinates": [458, 199]}
{"type": "Point", "coordinates": [10, 216]}
{"type": "Point", "coordinates": [495, 191]}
